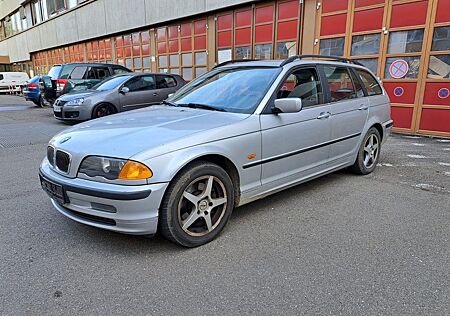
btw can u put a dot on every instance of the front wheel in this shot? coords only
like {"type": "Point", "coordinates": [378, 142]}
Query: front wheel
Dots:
{"type": "Point", "coordinates": [102, 110]}
{"type": "Point", "coordinates": [368, 154]}
{"type": "Point", "coordinates": [197, 205]}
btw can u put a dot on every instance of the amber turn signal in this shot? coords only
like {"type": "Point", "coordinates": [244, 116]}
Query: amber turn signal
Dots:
{"type": "Point", "coordinates": [133, 170]}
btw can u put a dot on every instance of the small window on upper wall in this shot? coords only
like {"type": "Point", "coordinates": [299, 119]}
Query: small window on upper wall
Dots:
{"type": "Point", "coordinates": [366, 44]}
{"type": "Point", "coordinates": [405, 42]}
{"type": "Point", "coordinates": [332, 46]}
{"type": "Point", "coordinates": [340, 83]}
{"type": "Point", "coordinates": [243, 52]}
{"type": "Point", "coordinates": [162, 61]}
{"type": "Point", "coordinates": [439, 67]}
{"type": "Point", "coordinates": [370, 83]}
{"type": "Point", "coordinates": [285, 50]}
{"type": "Point", "coordinates": [370, 63]}
{"type": "Point", "coordinates": [441, 38]}
{"type": "Point", "coordinates": [412, 70]}
{"type": "Point", "coordinates": [263, 51]}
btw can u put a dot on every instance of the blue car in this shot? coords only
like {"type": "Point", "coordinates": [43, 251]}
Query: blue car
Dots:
{"type": "Point", "coordinates": [31, 91]}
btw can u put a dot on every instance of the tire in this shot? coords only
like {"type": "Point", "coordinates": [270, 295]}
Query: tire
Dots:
{"type": "Point", "coordinates": [368, 153]}
{"type": "Point", "coordinates": [189, 202]}
{"type": "Point", "coordinates": [103, 109]}
{"type": "Point", "coordinates": [41, 102]}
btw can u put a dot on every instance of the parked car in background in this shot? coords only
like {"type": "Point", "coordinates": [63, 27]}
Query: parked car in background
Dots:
{"type": "Point", "coordinates": [119, 93]}
{"type": "Point", "coordinates": [11, 81]}
{"type": "Point", "coordinates": [31, 91]}
{"type": "Point", "coordinates": [238, 133]}
{"type": "Point", "coordinates": [62, 79]}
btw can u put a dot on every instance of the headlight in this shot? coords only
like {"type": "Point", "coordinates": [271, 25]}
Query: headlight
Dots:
{"type": "Point", "coordinates": [114, 169]}
{"type": "Point", "coordinates": [78, 101]}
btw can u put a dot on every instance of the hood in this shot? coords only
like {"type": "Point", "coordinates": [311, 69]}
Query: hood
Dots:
{"type": "Point", "coordinates": [80, 94]}
{"type": "Point", "coordinates": [126, 134]}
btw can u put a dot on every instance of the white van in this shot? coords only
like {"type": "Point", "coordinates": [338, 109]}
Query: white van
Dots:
{"type": "Point", "coordinates": [11, 81]}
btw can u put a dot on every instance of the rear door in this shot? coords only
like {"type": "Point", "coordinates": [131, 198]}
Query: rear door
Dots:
{"type": "Point", "coordinates": [349, 112]}
{"type": "Point", "coordinates": [141, 92]}
{"type": "Point", "coordinates": [296, 145]}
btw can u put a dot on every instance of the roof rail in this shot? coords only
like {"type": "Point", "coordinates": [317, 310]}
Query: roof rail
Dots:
{"type": "Point", "coordinates": [234, 61]}
{"type": "Point", "coordinates": [293, 58]}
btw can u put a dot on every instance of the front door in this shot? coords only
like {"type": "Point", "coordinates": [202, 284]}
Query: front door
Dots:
{"type": "Point", "coordinates": [294, 145]}
{"type": "Point", "coordinates": [142, 92]}
{"type": "Point", "coordinates": [349, 111]}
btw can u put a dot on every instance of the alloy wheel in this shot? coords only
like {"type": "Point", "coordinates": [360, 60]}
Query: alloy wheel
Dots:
{"type": "Point", "coordinates": [202, 206]}
{"type": "Point", "coordinates": [371, 150]}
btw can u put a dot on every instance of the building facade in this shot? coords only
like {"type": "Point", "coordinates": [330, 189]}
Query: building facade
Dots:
{"type": "Point", "coordinates": [405, 42]}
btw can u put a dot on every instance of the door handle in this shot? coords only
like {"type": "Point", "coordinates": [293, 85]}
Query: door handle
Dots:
{"type": "Point", "coordinates": [155, 94]}
{"type": "Point", "coordinates": [363, 107]}
{"type": "Point", "coordinates": [324, 115]}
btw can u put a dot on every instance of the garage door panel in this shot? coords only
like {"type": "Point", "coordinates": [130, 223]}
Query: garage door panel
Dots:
{"type": "Point", "coordinates": [368, 20]}
{"type": "Point", "coordinates": [435, 120]}
{"type": "Point", "coordinates": [437, 93]}
{"type": "Point", "coordinates": [402, 116]}
{"type": "Point", "coordinates": [401, 92]}
{"type": "Point", "coordinates": [409, 14]}
{"type": "Point", "coordinates": [365, 3]}
{"type": "Point", "coordinates": [334, 5]}
{"type": "Point", "coordinates": [443, 11]}
{"type": "Point", "coordinates": [333, 24]}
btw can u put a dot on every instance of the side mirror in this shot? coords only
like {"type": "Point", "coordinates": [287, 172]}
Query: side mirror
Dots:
{"type": "Point", "coordinates": [288, 105]}
{"type": "Point", "coordinates": [124, 90]}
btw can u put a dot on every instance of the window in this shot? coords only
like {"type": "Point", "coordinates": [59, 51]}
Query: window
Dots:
{"type": "Point", "coordinates": [303, 84]}
{"type": "Point", "coordinates": [174, 60]}
{"type": "Point", "coordinates": [143, 83]}
{"type": "Point", "coordinates": [332, 46]}
{"type": "Point", "coordinates": [286, 50]}
{"type": "Point", "coordinates": [370, 83]}
{"type": "Point", "coordinates": [163, 82]}
{"type": "Point", "coordinates": [54, 6]}
{"type": "Point", "coordinates": [340, 83]}
{"type": "Point", "coordinates": [366, 44]}
{"type": "Point", "coordinates": [370, 63]}
{"type": "Point", "coordinates": [439, 67]}
{"type": "Point", "coordinates": [263, 51]}
{"type": "Point", "coordinates": [441, 38]}
{"type": "Point", "coordinates": [186, 59]}
{"type": "Point", "coordinates": [118, 70]}
{"type": "Point", "coordinates": [405, 42]}
{"type": "Point", "coordinates": [413, 65]}
{"type": "Point", "coordinates": [1, 77]}
{"type": "Point", "coordinates": [200, 58]}
{"type": "Point", "coordinates": [78, 73]}
{"type": "Point", "coordinates": [101, 72]}
{"type": "Point", "coordinates": [243, 52]}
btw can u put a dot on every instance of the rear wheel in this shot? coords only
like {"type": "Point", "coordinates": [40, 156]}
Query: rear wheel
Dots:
{"type": "Point", "coordinates": [368, 154]}
{"type": "Point", "coordinates": [103, 109]}
{"type": "Point", "coordinates": [41, 102]}
{"type": "Point", "coordinates": [197, 205]}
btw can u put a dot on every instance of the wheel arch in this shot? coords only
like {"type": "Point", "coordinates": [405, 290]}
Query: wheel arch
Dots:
{"type": "Point", "coordinates": [379, 129]}
{"type": "Point", "coordinates": [94, 108]}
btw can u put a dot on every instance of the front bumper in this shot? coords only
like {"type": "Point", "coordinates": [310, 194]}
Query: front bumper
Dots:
{"type": "Point", "coordinates": [74, 113]}
{"type": "Point", "coordinates": [119, 208]}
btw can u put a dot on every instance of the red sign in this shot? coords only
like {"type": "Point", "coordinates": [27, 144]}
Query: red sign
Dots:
{"type": "Point", "coordinates": [398, 69]}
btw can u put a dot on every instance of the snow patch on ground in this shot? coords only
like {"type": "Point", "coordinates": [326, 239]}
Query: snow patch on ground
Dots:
{"type": "Point", "coordinates": [430, 187]}
{"type": "Point", "coordinates": [444, 140]}
{"type": "Point", "coordinates": [385, 165]}
{"type": "Point", "coordinates": [417, 156]}
{"type": "Point", "coordinates": [446, 164]}
{"type": "Point", "coordinates": [418, 145]}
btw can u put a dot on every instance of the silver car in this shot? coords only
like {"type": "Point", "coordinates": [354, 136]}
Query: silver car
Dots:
{"type": "Point", "coordinates": [239, 133]}
{"type": "Point", "coordinates": [128, 91]}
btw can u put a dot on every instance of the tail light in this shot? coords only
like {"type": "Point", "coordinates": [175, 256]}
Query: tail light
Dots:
{"type": "Point", "coordinates": [32, 86]}
{"type": "Point", "coordinates": [60, 85]}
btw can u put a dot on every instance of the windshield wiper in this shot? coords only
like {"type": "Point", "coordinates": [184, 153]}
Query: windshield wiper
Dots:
{"type": "Point", "coordinates": [168, 103]}
{"type": "Point", "coordinates": [202, 106]}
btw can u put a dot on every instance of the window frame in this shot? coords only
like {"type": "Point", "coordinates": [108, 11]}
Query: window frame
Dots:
{"type": "Point", "coordinates": [327, 91]}
{"type": "Point", "coordinates": [358, 77]}
{"type": "Point", "coordinates": [271, 103]}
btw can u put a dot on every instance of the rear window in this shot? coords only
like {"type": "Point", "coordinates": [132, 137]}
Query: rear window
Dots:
{"type": "Point", "coordinates": [54, 72]}
{"type": "Point", "coordinates": [371, 84]}
{"type": "Point", "coordinates": [1, 77]}
{"type": "Point", "coordinates": [118, 71]}
{"type": "Point", "coordinates": [163, 82]}
{"type": "Point", "coordinates": [78, 72]}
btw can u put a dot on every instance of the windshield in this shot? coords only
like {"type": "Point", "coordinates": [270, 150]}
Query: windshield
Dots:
{"type": "Point", "coordinates": [110, 83]}
{"type": "Point", "coordinates": [237, 90]}
{"type": "Point", "coordinates": [54, 72]}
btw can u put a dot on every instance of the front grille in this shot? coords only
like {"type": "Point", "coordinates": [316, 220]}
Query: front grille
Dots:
{"type": "Point", "coordinates": [62, 161]}
{"type": "Point", "coordinates": [51, 155]}
{"type": "Point", "coordinates": [58, 114]}
{"type": "Point", "coordinates": [92, 218]}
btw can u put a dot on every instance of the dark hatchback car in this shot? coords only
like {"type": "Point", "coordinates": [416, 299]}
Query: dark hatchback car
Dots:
{"type": "Point", "coordinates": [65, 78]}
{"type": "Point", "coordinates": [119, 93]}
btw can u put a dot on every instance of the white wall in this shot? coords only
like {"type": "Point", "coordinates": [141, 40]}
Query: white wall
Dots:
{"type": "Point", "coordinates": [102, 17]}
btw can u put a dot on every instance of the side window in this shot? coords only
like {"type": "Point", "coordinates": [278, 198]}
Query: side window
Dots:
{"type": "Point", "coordinates": [78, 73]}
{"type": "Point", "coordinates": [340, 83]}
{"type": "Point", "coordinates": [1, 77]}
{"type": "Point", "coordinates": [118, 71]}
{"type": "Point", "coordinates": [142, 83]}
{"type": "Point", "coordinates": [101, 72]}
{"type": "Point", "coordinates": [90, 74]}
{"type": "Point", "coordinates": [358, 86]}
{"type": "Point", "coordinates": [303, 84]}
{"type": "Point", "coordinates": [371, 84]}
{"type": "Point", "coordinates": [163, 82]}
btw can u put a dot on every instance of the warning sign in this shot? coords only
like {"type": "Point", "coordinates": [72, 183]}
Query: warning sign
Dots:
{"type": "Point", "coordinates": [399, 68]}
{"type": "Point", "coordinates": [443, 93]}
{"type": "Point", "coordinates": [399, 91]}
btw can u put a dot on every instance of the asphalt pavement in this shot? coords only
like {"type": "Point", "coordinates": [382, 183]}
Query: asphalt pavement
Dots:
{"type": "Point", "coordinates": [341, 244]}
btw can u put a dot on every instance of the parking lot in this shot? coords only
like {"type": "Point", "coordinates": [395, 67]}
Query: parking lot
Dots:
{"type": "Point", "coordinates": [341, 244]}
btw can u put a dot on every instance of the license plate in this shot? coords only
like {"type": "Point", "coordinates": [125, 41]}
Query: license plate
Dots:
{"type": "Point", "coordinates": [55, 191]}
{"type": "Point", "coordinates": [57, 109]}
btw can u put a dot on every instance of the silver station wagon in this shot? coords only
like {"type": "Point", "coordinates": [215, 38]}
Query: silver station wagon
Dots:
{"type": "Point", "coordinates": [236, 134]}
